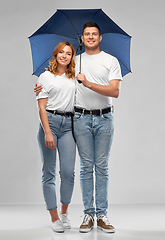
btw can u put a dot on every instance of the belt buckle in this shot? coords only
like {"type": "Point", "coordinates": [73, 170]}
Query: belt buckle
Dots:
{"type": "Point", "coordinates": [90, 112]}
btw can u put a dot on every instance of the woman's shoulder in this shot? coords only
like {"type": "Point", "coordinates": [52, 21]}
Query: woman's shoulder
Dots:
{"type": "Point", "coordinates": [45, 76]}
{"type": "Point", "coordinates": [46, 73]}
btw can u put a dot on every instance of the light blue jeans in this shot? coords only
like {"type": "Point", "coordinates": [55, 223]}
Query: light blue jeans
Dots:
{"type": "Point", "coordinates": [94, 136]}
{"type": "Point", "coordinates": [61, 129]}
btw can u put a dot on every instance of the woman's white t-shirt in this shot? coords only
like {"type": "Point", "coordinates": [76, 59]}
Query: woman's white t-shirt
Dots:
{"type": "Point", "coordinates": [59, 91]}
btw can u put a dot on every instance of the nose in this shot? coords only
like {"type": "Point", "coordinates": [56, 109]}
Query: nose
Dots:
{"type": "Point", "coordinates": [91, 35]}
{"type": "Point", "coordinates": [64, 55]}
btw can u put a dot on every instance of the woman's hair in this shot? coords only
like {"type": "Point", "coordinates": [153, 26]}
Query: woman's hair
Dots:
{"type": "Point", "coordinates": [70, 72]}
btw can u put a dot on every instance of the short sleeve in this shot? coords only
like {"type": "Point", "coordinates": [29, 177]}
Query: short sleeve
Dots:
{"type": "Point", "coordinates": [115, 70]}
{"type": "Point", "coordinates": [43, 82]}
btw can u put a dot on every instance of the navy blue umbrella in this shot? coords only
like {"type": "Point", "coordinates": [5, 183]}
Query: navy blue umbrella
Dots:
{"type": "Point", "coordinates": [67, 25]}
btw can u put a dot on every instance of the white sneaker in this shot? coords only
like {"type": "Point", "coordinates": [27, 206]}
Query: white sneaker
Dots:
{"type": "Point", "coordinates": [57, 226]}
{"type": "Point", "coordinates": [65, 220]}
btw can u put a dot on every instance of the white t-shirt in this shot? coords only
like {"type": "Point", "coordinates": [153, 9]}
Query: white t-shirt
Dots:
{"type": "Point", "coordinates": [100, 69]}
{"type": "Point", "coordinates": [60, 91]}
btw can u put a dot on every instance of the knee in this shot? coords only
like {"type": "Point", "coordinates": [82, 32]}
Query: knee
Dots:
{"type": "Point", "coordinates": [67, 175]}
{"type": "Point", "coordinates": [102, 170]}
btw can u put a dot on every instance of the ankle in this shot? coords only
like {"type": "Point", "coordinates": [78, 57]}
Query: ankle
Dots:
{"type": "Point", "coordinates": [54, 219]}
{"type": "Point", "coordinates": [64, 209]}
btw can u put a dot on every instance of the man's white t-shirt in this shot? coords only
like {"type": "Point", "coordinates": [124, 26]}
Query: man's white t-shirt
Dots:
{"type": "Point", "coordinates": [60, 91]}
{"type": "Point", "coordinates": [100, 69]}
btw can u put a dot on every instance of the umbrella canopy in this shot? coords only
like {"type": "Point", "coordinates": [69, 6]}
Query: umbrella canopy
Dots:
{"type": "Point", "coordinates": [67, 25]}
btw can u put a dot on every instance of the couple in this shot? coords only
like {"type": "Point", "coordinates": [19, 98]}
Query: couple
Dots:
{"type": "Point", "coordinates": [59, 97]}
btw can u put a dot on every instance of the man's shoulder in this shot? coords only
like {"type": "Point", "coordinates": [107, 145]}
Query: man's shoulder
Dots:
{"type": "Point", "coordinates": [108, 55]}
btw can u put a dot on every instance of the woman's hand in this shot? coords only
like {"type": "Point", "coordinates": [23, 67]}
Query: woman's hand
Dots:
{"type": "Point", "coordinates": [49, 141]}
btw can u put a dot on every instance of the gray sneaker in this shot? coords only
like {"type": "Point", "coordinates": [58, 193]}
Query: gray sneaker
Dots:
{"type": "Point", "coordinates": [65, 220]}
{"type": "Point", "coordinates": [57, 226]}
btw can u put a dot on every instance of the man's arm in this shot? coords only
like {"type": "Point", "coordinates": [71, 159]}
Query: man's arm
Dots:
{"type": "Point", "coordinates": [37, 89]}
{"type": "Point", "coordinates": [111, 90]}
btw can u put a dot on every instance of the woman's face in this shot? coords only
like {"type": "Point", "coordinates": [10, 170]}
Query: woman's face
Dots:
{"type": "Point", "coordinates": [64, 56]}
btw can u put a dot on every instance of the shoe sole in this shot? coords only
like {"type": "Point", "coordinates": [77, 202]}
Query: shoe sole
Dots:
{"type": "Point", "coordinates": [106, 230]}
{"type": "Point", "coordinates": [67, 227]}
{"type": "Point", "coordinates": [85, 230]}
{"type": "Point", "coordinates": [59, 231]}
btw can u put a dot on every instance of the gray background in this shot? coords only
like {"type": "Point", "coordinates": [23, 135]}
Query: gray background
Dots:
{"type": "Point", "coordinates": [137, 157]}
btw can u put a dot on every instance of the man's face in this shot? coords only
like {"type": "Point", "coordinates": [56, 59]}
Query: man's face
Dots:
{"type": "Point", "coordinates": [91, 38]}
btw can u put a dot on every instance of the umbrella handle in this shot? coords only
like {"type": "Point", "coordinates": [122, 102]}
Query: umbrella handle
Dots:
{"type": "Point", "coordinates": [80, 59]}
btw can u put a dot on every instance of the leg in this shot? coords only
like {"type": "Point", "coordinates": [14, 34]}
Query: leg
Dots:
{"type": "Point", "coordinates": [64, 208]}
{"type": "Point", "coordinates": [67, 153]}
{"type": "Point", "coordinates": [48, 157]}
{"type": "Point", "coordinates": [84, 140]}
{"type": "Point", "coordinates": [103, 141]}
{"type": "Point", "coordinates": [54, 215]}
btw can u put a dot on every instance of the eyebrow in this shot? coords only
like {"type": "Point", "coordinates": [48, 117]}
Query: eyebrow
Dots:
{"type": "Point", "coordinates": [91, 32]}
{"type": "Point", "coordinates": [67, 51]}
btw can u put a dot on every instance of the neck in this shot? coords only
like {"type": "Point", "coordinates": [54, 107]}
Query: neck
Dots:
{"type": "Point", "coordinates": [61, 70]}
{"type": "Point", "coordinates": [92, 51]}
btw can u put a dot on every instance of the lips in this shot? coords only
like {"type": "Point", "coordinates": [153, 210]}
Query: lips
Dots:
{"type": "Point", "coordinates": [63, 60]}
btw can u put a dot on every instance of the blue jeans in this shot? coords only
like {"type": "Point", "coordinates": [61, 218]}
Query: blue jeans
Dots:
{"type": "Point", "coordinates": [61, 129]}
{"type": "Point", "coordinates": [94, 136]}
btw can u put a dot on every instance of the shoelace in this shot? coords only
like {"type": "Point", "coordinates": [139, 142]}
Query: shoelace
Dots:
{"type": "Point", "coordinates": [87, 218]}
{"type": "Point", "coordinates": [104, 219]}
{"type": "Point", "coordinates": [65, 218]}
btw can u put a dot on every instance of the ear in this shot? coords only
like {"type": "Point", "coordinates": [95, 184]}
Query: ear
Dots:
{"type": "Point", "coordinates": [100, 38]}
{"type": "Point", "coordinates": [82, 38]}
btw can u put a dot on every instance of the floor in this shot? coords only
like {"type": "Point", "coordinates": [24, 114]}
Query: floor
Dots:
{"type": "Point", "coordinates": [132, 222]}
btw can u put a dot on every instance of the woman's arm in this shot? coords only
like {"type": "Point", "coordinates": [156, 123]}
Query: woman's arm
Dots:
{"type": "Point", "coordinates": [49, 139]}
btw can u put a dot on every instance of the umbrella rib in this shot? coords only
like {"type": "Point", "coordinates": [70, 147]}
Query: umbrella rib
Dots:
{"type": "Point", "coordinates": [72, 26]}
{"type": "Point", "coordinates": [95, 14]}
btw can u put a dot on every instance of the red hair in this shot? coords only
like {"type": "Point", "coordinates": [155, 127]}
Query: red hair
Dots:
{"type": "Point", "coordinates": [70, 72]}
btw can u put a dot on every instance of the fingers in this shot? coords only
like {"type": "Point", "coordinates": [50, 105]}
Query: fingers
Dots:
{"type": "Point", "coordinates": [35, 87]}
{"type": "Point", "coordinates": [50, 144]}
{"type": "Point", "coordinates": [80, 77]}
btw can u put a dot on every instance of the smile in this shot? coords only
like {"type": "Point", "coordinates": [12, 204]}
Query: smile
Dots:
{"type": "Point", "coordinates": [63, 60]}
{"type": "Point", "coordinates": [91, 41]}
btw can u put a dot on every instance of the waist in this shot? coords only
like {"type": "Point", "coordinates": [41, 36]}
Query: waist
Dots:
{"type": "Point", "coordinates": [94, 111]}
{"type": "Point", "coordinates": [67, 114]}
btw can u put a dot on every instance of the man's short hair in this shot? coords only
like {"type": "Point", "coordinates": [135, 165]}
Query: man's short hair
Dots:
{"type": "Point", "coordinates": [91, 24]}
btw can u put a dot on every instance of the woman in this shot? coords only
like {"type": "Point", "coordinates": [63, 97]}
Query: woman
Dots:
{"type": "Point", "coordinates": [56, 106]}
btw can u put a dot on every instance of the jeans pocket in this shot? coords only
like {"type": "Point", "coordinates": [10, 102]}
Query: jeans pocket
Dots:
{"type": "Point", "coordinates": [50, 115]}
{"type": "Point", "coordinates": [108, 116]}
{"type": "Point", "coordinates": [77, 116]}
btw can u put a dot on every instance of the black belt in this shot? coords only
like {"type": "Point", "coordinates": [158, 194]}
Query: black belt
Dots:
{"type": "Point", "coordinates": [94, 112]}
{"type": "Point", "coordinates": [68, 114]}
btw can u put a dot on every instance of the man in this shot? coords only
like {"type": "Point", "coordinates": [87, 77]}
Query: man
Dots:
{"type": "Point", "coordinates": [93, 125]}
